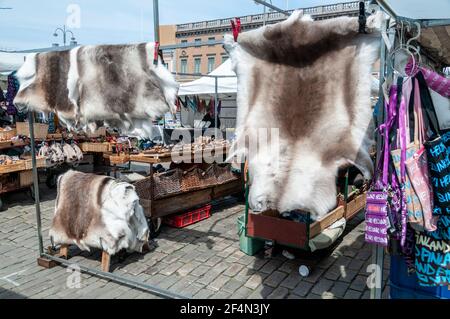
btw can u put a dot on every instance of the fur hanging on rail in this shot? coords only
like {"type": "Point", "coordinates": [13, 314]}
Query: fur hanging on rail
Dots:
{"type": "Point", "coordinates": [310, 80]}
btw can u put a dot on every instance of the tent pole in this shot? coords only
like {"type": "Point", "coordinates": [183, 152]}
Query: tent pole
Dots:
{"type": "Point", "coordinates": [378, 251]}
{"type": "Point", "coordinates": [216, 101]}
{"type": "Point", "coordinates": [156, 19]}
{"type": "Point", "coordinates": [35, 182]}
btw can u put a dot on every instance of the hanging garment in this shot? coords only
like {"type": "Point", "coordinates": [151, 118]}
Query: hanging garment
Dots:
{"type": "Point", "coordinates": [13, 87]}
{"type": "Point", "coordinates": [309, 81]}
{"type": "Point", "coordinates": [110, 83]}
{"type": "Point", "coordinates": [2, 96]}
{"type": "Point", "coordinates": [95, 211]}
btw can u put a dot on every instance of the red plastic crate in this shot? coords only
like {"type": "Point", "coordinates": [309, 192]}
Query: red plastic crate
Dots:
{"type": "Point", "coordinates": [188, 218]}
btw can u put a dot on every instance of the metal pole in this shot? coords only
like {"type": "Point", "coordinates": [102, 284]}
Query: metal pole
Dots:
{"type": "Point", "coordinates": [271, 6]}
{"type": "Point", "coordinates": [35, 182]}
{"type": "Point", "coordinates": [156, 19]}
{"type": "Point", "coordinates": [216, 101]}
{"type": "Point", "coordinates": [64, 35]}
{"type": "Point", "coordinates": [119, 279]}
{"type": "Point", "coordinates": [378, 251]}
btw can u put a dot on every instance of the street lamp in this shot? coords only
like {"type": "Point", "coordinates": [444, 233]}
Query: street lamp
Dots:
{"type": "Point", "coordinates": [64, 32]}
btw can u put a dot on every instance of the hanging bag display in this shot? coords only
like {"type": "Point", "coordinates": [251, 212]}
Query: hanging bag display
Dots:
{"type": "Point", "coordinates": [403, 154]}
{"type": "Point", "coordinates": [438, 154]}
{"type": "Point", "coordinates": [417, 169]}
{"type": "Point", "coordinates": [378, 199]}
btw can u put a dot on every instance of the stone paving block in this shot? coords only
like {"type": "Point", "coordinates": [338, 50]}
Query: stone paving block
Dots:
{"type": "Point", "coordinates": [262, 292]}
{"type": "Point", "coordinates": [322, 286]}
{"type": "Point", "coordinates": [254, 281]}
{"type": "Point", "coordinates": [348, 275]}
{"type": "Point", "coordinates": [339, 289]}
{"type": "Point", "coordinates": [302, 288]}
{"type": "Point", "coordinates": [291, 281]}
{"type": "Point", "coordinates": [232, 285]}
{"type": "Point", "coordinates": [200, 270]}
{"type": "Point", "coordinates": [208, 277]}
{"type": "Point", "coordinates": [204, 293]}
{"type": "Point", "coordinates": [233, 270]}
{"type": "Point", "coordinates": [359, 283]}
{"type": "Point", "coordinates": [315, 275]}
{"type": "Point", "coordinates": [352, 294]}
{"type": "Point", "coordinates": [257, 263]}
{"type": "Point", "coordinates": [219, 282]}
{"type": "Point", "coordinates": [241, 293]}
{"type": "Point", "coordinates": [333, 273]}
{"type": "Point", "coordinates": [278, 293]}
{"type": "Point", "coordinates": [269, 267]}
{"type": "Point", "coordinates": [356, 264]}
{"type": "Point", "coordinates": [214, 260]}
{"type": "Point", "coordinates": [187, 268]}
{"type": "Point", "coordinates": [275, 279]}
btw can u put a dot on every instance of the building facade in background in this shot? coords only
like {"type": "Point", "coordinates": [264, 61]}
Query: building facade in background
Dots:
{"type": "Point", "coordinates": [197, 47]}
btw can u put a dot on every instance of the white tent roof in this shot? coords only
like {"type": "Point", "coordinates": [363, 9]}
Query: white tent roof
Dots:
{"type": "Point", "coordinates": [206, 84]}
{"type": "Point", "coordinates": [10, 62]}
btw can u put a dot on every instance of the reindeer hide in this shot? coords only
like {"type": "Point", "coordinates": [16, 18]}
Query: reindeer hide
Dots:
{"type": "Point", "coordinates": [307, 82]}
{"type": "Point", "coordinates": [96, 211]}
{"type": "Point", "coordinates": [87, 84]}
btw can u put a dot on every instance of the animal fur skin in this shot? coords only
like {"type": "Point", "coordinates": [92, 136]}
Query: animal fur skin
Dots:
{"type": "Point", "coordinates": [97, 211]}
{"type": "Point", "coordinates": [311, 80]}
{"type": "Point", "coordinates": [87, 84]}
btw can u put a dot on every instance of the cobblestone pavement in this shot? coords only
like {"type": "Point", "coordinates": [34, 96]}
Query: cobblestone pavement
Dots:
{"type": "Point", "coordinates": [200, 261]}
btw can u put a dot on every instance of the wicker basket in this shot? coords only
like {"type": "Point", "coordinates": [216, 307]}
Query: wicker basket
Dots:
{"type": "Point", "coordinates": [190, 179]}
{"type": "Point", "coordinates": [144, 188]}
{"type": "Point", "coordinates": [101, 131]}
{"type": "Point", "coordinates": [25, 178]}
{"type": "Point", "coordinates": [167, 183]}
{"type": "Point", "coordinates": [224, 173]}
{"type": "Point", "coordinates": [208, 177]}
{"type": "Point", "coordinates": [40, 162]}
{"type": "Point", "coordinates": [40, 130]}
{"type": "Point", "coordinates": [7, 135]}
{"type": "Point", "coordinates": [96, 147]}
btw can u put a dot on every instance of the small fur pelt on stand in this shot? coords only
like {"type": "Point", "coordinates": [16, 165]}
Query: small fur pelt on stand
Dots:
{"type": "Point", "coordinates": [95, 211]}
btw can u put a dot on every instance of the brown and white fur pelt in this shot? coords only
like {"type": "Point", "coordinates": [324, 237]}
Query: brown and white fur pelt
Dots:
{"type": "Point", "coordinates": [95, 211]}
{"type": "Point", "coordinates": [312, 81]}
{"type": "Point", "coordinates": [69, 153]}
{"type": "Point", "coordinates": [111, 83]}
{"type": "Point", "coordinates": [78, 152]}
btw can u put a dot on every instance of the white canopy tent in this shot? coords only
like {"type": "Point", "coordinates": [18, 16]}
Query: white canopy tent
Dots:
{"type": "Point", "coordinates": [226, 82]}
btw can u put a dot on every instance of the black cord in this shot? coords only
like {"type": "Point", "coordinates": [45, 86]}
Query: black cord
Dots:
{"type": "Point", "coordinates": [362, 17]}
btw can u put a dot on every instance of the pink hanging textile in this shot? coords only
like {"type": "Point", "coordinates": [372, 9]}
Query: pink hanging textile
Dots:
{"type": "Point", "coordinates": [435, 81]}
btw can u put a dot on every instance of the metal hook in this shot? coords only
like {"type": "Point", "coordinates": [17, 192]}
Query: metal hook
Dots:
{"type": "Point", "coordinates": [417, 35]}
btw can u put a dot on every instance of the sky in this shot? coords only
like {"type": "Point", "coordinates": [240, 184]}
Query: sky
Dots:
{"type": "Point", "coordinates": [31, 23]}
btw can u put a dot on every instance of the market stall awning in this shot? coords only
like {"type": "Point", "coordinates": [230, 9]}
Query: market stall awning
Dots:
{"type": "Point", "coordinates": [206, 84]}
{"type": "Point", "coordinates": [435, 20]}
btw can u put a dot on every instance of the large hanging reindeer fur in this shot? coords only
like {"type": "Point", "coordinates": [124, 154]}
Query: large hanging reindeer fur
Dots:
{"type": "Point", "coordinates": [311, 81]}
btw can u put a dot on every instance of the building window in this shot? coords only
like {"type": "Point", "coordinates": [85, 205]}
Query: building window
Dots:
{"type": "Point", "coordinates": [183, 66]}
{"type": "Point", "coordinates": [211, 40]}
{"type": "Point", "coordinates": [197, 63]}
{"type": "Point", "coordinates": [211, 63]}
{"type": "Point", "coordinates": [184, 42]}
{"type": "Point", "coordinates": [198, 42]}
{"type": "Point", "coordinates": [224, 58]}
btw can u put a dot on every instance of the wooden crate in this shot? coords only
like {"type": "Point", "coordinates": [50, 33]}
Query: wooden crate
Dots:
{"type": "Point", "coordinates": [15, 167]}
{"type": "Point", "coordinates": [356, 205]}
{"type": "Point", "coordinates": [40, 130]}
{"type": "Point", "coordinates": [96, 147]}
{"type": "Point", "coordinates": [7, 135]}
{"type": "Point", "coordinates": [25, 178]}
